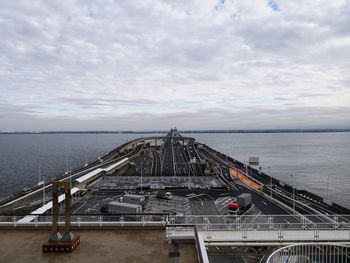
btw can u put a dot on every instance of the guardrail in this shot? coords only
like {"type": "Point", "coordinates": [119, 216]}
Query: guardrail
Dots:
{"type": "Point", "coordinates": [261, 229]}
{"type": "Point", "coordinates": [221, 230]}
{"type": "Point", "coordinates": [202, 222]}
{"type": "Point", "coordinates": [262, 222]}
{"type": "Point", "coordinates": [89, 220]}
{"type": "Point", "coordinates": [304, 252]}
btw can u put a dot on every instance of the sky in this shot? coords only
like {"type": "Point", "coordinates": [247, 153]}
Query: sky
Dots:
{"type": "Point", "coordinates": [156, 64]}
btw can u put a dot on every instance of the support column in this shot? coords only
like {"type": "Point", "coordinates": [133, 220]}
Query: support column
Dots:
{"type": "Point", "coordinates": [55, 235]}
{"type": "Point", "coordinates": [68, 235]}
{"type": "Point", "coordinates": [69, 242]}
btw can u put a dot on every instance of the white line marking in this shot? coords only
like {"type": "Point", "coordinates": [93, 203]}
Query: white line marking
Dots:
{"type": "Point", "coordinates": [79, 207]}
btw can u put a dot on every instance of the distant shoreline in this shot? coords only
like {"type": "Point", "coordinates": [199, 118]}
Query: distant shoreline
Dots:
{"type": "Point", "coordinates": [187, 131]}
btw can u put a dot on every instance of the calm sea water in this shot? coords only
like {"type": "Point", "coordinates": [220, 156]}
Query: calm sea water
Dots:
{"type": "Point", "coordinates": [319, 162]}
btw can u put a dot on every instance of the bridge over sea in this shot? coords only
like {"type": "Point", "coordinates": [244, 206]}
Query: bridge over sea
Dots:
{"type": "Point", "coordinates": [188, 204]}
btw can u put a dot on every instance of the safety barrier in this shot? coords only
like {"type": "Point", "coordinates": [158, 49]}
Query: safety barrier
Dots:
{"type": "Point", "coordinates": [303, 252]}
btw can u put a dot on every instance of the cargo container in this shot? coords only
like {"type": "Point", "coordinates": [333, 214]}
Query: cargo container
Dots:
{"type": "Point", "coordinates": [245, 201]}
{"type": "Point", "coordinates": [120, 208]}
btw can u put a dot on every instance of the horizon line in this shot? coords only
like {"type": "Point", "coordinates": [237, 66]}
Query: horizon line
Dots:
{"type": "Point", "coordinates": [272, 130]}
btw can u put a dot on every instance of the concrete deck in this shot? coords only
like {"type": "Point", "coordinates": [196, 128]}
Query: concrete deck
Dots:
{"type": "Point", "coordinates": [132, 246]}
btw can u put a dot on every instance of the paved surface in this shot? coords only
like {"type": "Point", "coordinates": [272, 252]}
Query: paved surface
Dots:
{"type": "Point", "coordinates": [129, 246]}
{"type": "Point", "coordinates": [284, 192]}
{"type": "Point", "coordinates": [196, 168]}
{"type": "Point", "coordinates": [156, 168]}
{"type": "Point", "coordinates": [151, 182]}
{"type": "Point", "coordinates": [181, 162]}
{"type": "Point", "coordinates": [142, 163]}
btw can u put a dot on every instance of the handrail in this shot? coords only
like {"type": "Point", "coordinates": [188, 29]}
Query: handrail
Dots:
{"type": "Point", "coordinates": [202, 252]}
{"type": "Point", "coordinates": [312, 251]}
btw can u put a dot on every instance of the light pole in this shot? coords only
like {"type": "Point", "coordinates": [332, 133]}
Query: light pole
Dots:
{"type": "Point", "coordinates": [270, 186]}
{"type": "Point", "coordinates": [141, 176]}
{"type": "Point", "coordinates": [44, 197]}
{"type": "Point", "coordinates": [269, 168]}
{"type": "Point", "coordinates": [39, 174]}
{"type": "Point", "coordinates": [293, 193]}
{"type": "Point", "coordinates": [189, 178]}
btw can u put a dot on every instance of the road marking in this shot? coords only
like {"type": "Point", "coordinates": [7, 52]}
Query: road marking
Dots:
{"type": "Point", "coordinates": [79, 207]}
{"type": "Point", "coordinates": [264, 202]}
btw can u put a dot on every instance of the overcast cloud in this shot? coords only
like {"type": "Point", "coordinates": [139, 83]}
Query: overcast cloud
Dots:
{"type": "Point", "coordinates": [152, 64]}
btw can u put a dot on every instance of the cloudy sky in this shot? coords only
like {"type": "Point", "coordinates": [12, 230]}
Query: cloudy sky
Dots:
{"type": "Point", "coordinates": [153, 64]}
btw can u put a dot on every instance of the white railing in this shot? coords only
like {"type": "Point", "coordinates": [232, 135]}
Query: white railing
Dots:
{"type": "Point", "coordinates": [203, 222]}
{"type": "Point", "coordinates": [303, 252]}
{"type": "Point", "coordinates": [263, 222]}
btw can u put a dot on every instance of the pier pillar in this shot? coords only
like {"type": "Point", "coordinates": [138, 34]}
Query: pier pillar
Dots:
{"type": "Point", "coordinates": [68, 235]}
{"type": "Point", "coordinates": [55, 235]}
{"type": "Point", "coordinates": [69, 242]}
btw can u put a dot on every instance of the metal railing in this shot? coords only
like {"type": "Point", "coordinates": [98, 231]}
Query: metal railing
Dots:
{"type": "Point", "coordinates": [86, 220]}
{"type": "Point", "coordinates": [202, 222]}
{"type": "Point", "coordinates": [263, 222]}
{"type": "Point", "coordinates": [304, 253]}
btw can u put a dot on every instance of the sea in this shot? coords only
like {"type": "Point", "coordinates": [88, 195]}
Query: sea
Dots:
{"type": "Point", "coordinates": [317, 162]}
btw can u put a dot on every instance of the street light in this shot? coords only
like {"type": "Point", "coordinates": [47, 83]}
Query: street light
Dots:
{"type": "Point", "coordinates": [293, 186]}
{"type": "Point", "coordinates": [189, 178]}
{"type": "Point", "coordinates": [141, 175]}
{"type": "Point", "coordinates": [269, 168]}
{"type": "Point", "coordinates": [44, 197]}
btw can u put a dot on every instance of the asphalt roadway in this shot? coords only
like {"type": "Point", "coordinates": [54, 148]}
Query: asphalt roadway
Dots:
{"type": "Point", "coordinates": [284, 189]}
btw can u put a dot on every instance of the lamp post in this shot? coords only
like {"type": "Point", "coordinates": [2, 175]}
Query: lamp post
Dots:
{"type": "Point", "coordinates": [44, 197]}
{"type": "Point", "coordinates": [293, 185]}
{"type": "Point", "coordinates": [270, 186]}
{"type": "Point", "coordinates": [141, 176]}
{"type": "Point", "coordinates": [189, 178]}
{"type": "Point", "coordinates": [269, 168]}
